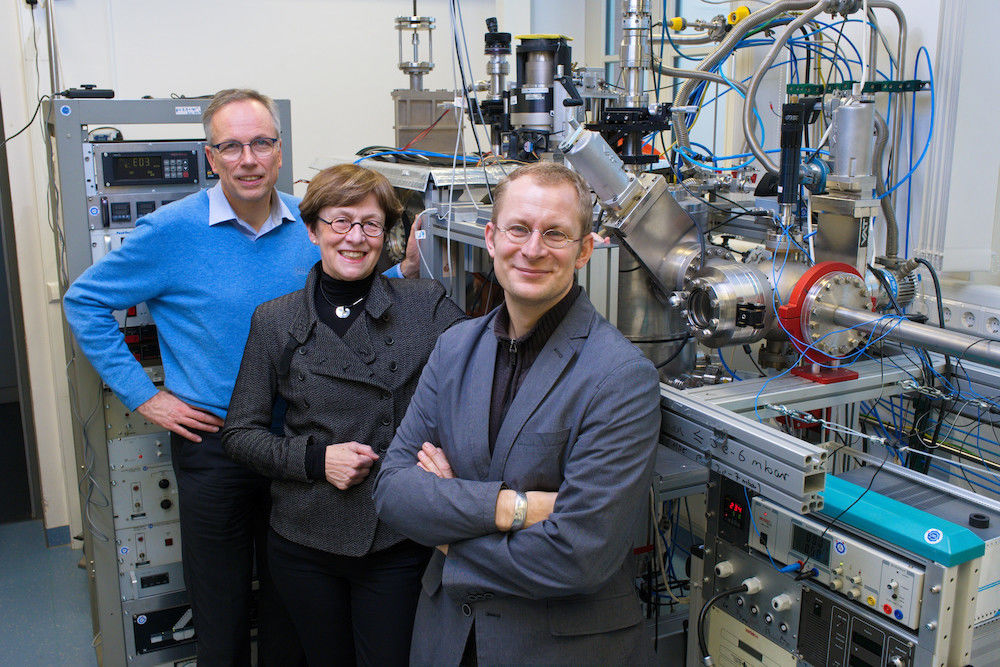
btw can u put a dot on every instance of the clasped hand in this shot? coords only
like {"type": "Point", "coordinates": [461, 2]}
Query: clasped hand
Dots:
{"type": "Point", "coordinates": [348, 463]}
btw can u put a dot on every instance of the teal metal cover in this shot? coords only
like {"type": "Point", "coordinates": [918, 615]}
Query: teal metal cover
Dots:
{"type": "Point", "coordinates": [908, 528]}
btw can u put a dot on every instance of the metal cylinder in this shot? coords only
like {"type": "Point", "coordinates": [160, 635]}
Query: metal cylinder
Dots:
{"type": "Point", "coordinates": [538, 70]}
{"type": "Point", "coordinates": [852, 140]}
{"type": "Point", "coordinates": [594, 159]}
{"type": "Point", "coordinates": [727, 303]}
{"type": "Point", "coordinates": [634, 54]}
{"type": "Point", "coordinates": [498, 69]}
{"type": "Point", "coordinates": [944, 341]}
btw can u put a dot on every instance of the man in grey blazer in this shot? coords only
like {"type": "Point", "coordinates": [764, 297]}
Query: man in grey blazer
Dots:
{"type": "Point", "coordinates": [526, 454]}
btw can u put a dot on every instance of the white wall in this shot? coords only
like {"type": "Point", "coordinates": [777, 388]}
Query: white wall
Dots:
{"type": "Point", "coordinates": [335, 59]}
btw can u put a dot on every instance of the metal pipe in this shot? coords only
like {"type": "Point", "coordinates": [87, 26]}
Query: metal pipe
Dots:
{"type": "Point", "coordinates": [897, 109]}
{"type": "Point", "coordinates": [721, 52]}
{"type": "Point", "coordinates": [686, 40]}
{"type": "Point", "coordinates": [891, 226]}
{"type": "Point", "coordinates": [634, 56]}
{"type": "Point", "coordinates": [943, 341]}
{"type": "Point", "coordinates": [748, 102]}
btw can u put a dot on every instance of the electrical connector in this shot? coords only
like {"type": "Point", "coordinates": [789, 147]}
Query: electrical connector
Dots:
{"type": "Point", "coordinates": [738, 15]}
{"type": "Point", "coordinates": [723, 569]}
{"type": "Point", "coordinates": [753, 585]}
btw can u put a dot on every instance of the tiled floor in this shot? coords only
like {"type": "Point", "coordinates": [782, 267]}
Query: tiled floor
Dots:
{"type": "Point", "coordinates": [44, 603]}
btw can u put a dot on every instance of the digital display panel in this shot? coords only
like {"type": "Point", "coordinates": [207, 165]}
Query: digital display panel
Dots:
{"type": "Point", "coordinates": [811, 545]}
{"type": "Point", "coordinates": [150, 168]}
{"type": "Point", "coordinates": [138, 167]}
{"type": "Point", "coordinates": [734, 511]}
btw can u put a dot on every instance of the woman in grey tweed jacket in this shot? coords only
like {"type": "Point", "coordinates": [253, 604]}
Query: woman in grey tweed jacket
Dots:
{"type": "Point", "coordinates": [345, 354]}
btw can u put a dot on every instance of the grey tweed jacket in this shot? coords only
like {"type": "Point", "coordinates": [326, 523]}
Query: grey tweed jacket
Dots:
{"type": "Point", "coordinates": [337, 390]}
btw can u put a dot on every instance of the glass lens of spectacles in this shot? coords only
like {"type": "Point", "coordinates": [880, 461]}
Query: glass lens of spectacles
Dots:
{"type": "Point", "coordinates": [262, 147]}
{"type": "Point", "coordinates": [368, 228]}
{"type": "Point", "coordinates": [555, 238]}
{"type": "Point", "coordinates": [340, 225]}
{"type": "Point", "coordinates": [230, 149]}
{"type": "Point", "coordinates": [518, 233]}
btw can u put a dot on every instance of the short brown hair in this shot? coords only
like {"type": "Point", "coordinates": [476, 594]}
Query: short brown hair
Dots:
{"type": "Point", "coordinates": [550, 174]}
{"type": "Point", "coordinates": [346, 185]}
{"type": "Point", "coordinates": [230, 95]}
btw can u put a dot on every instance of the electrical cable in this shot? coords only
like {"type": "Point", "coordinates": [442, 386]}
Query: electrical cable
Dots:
{"type": "Point", "coordinates": [676, 353]}
{"type": "Point", "coordinates": [702, 644]}
{"type": "Point", "coordinates": [34, 115]}
{"type": "Point", "coordinates": [729, 370]}
{"type": "Point", "coordinates": [424, 132]}
{"type": "Point", "coordinates": [930, 129]}
{"type": "Point", "coordinates": [749, 353]}
{"type": "Point", "coordinates": [846, 509]}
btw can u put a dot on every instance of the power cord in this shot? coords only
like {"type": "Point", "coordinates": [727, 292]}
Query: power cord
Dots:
{"type": "Point", "coordinates": [751, 585]}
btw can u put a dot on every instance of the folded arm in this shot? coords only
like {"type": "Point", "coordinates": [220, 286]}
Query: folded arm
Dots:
{"type": "Point", "coordinates": [426, 508]}
{"type": "Point", "coordinates": [586, 538]}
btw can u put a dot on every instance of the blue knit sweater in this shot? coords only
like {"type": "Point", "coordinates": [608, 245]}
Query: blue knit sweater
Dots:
{"type": "Point", "coordinates": [201, 285]}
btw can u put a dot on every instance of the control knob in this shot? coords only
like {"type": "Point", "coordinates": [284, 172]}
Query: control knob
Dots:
{"type": "Point", "coordinates": [836, 584]}
{"type": "Point", "coordinates": [854, 593]}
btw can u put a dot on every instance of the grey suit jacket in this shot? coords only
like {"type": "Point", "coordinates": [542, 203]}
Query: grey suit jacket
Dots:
{"type": "Point", "coordinates": [584, 423]}
{"type": "Point", "coordinates": [337, 389]}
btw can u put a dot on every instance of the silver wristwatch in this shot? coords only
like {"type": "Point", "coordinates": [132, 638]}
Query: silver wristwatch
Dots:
{"type": "Point", "coordinates": [520, 511]}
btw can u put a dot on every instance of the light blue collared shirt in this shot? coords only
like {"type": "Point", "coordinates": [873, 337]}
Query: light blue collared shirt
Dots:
{"type": "Point", "coordinates": [219, 211]}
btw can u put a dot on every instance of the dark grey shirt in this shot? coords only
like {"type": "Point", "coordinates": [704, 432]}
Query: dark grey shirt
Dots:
{"type": "Point", "coordinates": [514, 357]}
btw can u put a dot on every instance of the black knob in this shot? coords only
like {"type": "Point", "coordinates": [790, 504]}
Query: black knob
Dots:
{"type": "Point", "coordinates": [166, 503]}
{"type": "Point", "coordinates": [163, 483]}
{"type": "Point", "coordinates": [979, 520]}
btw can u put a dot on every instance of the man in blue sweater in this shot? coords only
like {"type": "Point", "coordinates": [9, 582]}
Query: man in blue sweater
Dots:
{"type": "Point", "coordinates": [202, 265]}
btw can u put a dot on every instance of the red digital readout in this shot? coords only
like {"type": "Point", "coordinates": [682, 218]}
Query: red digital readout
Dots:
{"type": "Point", "coordinates": [735, 507]}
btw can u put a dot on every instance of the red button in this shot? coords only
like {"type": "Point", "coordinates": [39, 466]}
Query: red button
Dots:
{"type": "Point", "coordinates": [887, 609]}
{"type": "Point", "coordinates": [131, 311]}
{"type": "Point", "coordinates": [169, 542]}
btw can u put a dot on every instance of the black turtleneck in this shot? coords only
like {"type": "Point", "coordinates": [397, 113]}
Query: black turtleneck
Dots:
{"type": "Point", "coordinates": [331, 292]}
{"type": "Point", "coordinates": [515, 357]}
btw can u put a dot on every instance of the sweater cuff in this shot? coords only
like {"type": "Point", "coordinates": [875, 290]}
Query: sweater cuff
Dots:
{"type": "Point", "coordinates": [315, 461]}
{"type": "Point", "coordinates": [394, 271]}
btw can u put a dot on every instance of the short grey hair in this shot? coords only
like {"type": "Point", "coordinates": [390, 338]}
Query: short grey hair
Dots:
{"type": "Point", "coordinates": [230, 95]}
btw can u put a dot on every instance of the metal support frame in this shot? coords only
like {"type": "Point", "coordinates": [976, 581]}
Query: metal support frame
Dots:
{"type": "Point", "coordinates": [767, 461]}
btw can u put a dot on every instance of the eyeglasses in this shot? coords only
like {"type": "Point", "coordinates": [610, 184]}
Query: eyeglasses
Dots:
{"type": "Point", "coordinates": [553, 238]}
{"type": "Point", "coordinates": [232, 150]}
{"type": "Point", "coordinates": [372, 228]}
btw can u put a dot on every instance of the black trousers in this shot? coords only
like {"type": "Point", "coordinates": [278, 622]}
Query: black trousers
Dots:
{"type": "Point", "coordinates": [350, 610]}
{"type": "Point", "coordinates": [224, 510]}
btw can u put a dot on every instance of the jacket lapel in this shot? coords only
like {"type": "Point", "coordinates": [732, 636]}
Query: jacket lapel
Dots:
{"type": "Point", "coordinates": [349, 357]}
{"type": "Point", "coordinates": [560, 349]}
{"type": "Point", "coordinates": [478, 390]}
